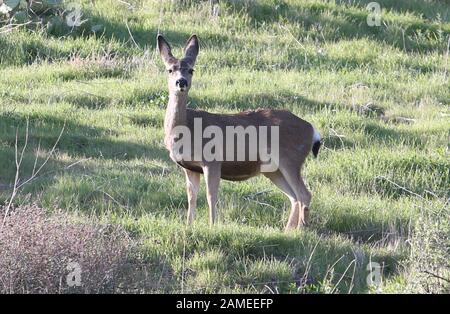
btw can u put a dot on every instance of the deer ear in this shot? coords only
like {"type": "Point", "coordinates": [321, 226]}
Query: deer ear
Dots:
{"type": "Point", "coordinates": [191, 50]}
{"type": "Point", "coordinates": [165, 51]}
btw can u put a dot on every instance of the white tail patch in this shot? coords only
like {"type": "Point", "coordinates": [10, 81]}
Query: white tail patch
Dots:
{"type": "Point", "coordinates": [316, 136]}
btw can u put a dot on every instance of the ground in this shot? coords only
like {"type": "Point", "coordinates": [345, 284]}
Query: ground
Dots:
{"type": "Point", "coordinates": [378, 95]}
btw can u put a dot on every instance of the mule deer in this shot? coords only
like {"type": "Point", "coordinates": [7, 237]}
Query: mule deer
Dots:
{"type": "Point", "coordinates": [296, 139]}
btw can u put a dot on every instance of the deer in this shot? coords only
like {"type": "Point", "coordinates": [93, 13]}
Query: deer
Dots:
{"type": "Point", "coordinates": [297, 138]}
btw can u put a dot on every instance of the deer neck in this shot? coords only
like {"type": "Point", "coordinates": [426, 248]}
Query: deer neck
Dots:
{"type": "Point", "coordinates": [175, 113]}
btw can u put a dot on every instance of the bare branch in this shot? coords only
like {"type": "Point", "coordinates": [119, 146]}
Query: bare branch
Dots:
{"type": "Point", "coordinates": [435, 276]}
{"type": "Point", "coordinates": [18, 161]}
{"type": "Point", "coordinates": [401, 187]}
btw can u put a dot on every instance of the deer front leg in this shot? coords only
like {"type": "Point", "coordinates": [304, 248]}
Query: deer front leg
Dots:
{"type": "Point", "coordinates": [192, 185]}
{"type": "Point", "coordinates": [212, 179]}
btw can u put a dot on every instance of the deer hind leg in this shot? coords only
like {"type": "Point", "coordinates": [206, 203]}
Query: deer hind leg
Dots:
{"type": "Point", "coordinates": [212, 179]}
{"type": "Point", "coordinates": [306, 201]}
{"type": "Point", "coordinates": [192, 185]}
{"type": "Point", "coordinates": [278, 179]}
{"type": "Point", "coordinates": [303, 196]}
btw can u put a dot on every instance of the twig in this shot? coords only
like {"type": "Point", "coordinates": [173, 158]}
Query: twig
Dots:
{"type": "Point", "coordinates": [124, 2]}
{"type": "Point", "coordinates": [446, 57]}
{"type": "Point", "coordinates": [183, 270]}
{"type": "Point", "coordinates": [160, 16]}
{"type": "Point", "coordinates": [400, 187]}
{"type": "Point", "coordinates": [339, 136]}
{"type": "Point", "coordinates": [262, 203]}
{"type": "Point", "coordinates": [342, 277]}
{"type": "Point", "coordinates": [404, 41]}
{"type": "Point", "coordinates": [32, 179]}
{"type": "Point", "coordinates": [402, 119]}
{"type": "Point", "coordinates": [77, 162]}
{"type": "Point", "coordinates": [162, 272]}
{"type": "Point", "coordinates": [270, 289]}
{"type": "Point", "coordinates": [113, 199]}
{"type": "Point", "coordinates": [308, 264]}
{"type": "Point", "coordinates": [35, 173]}
{"type": "Point", "coordinates": [131, 35]}
{"type": "Point", "coordinates": [18, 162]}
{"type": "Point", "coordinates": [292, 35]}
{"type": "Point", "coordinates": [353, 277]}
{"type": "Point", "coordinates": [251, 198]}
{"type": "Point", "coordinates": [330, 268]}
{"type": "Point", "coordinates": [10, 27]}
{"type": "Point", "coordinates": [259, 193]}
{"type": "Point", "coordinates": [435, 276]}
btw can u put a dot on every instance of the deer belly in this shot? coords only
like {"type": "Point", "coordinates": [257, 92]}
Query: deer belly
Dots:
{"type": "Point", "coordinates": [193, 166]}
{"type": "Point", "coordinates": [239, 171]}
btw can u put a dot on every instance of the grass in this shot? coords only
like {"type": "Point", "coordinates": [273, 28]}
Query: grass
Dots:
{"type": "Point", "coordinates": [379, 96]}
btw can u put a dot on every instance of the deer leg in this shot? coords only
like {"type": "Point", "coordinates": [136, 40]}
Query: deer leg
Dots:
{"type": "Point", "coordinates": [306, 200]}
{"type": "Point", "coordinates": [192, 185]}
{"type": "Point", "coordinates": [302, 195]}
{"type": "Point", "coordinates": [278, 179]}
{"type": "Point", "coordinates": [212, 179]}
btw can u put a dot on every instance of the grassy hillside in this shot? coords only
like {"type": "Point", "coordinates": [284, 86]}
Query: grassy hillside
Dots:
{"type": "Point", "coordinates": [379, 96]}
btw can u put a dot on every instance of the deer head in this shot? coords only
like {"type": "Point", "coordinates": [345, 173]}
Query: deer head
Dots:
{"type": "Point", "coordinates": [180, 71]}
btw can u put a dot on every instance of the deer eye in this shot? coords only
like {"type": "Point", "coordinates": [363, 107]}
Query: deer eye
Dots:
{"type": "Point", "coordinates": [191, 71]}
{"type": "Point", "coordinates": [170, 70]}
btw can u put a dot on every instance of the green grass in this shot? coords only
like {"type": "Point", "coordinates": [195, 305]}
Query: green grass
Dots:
{"type": "Point", "coordinates": [374, 179]}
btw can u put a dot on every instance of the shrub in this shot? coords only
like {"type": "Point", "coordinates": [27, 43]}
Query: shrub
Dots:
{"type": "Point", "coordinates": [42, 253]}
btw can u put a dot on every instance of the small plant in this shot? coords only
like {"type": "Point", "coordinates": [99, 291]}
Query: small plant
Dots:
{"type": "Point", "coordinates": [8, 6]}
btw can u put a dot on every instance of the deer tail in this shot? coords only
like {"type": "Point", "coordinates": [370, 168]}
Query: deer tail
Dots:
{"type": "Point", "coordinates": [316, 143]}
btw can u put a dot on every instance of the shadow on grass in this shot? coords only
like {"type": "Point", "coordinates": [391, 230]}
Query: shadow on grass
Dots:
{"type": "Point", "coordinates": [335, 142]}
{"type": "Point", "coordinates": [133, 34]}
{"type": "Point", "coordinates": [307, 255]}
{"type": "Point", "coordinates": [36, 48]}
{"type": "Point", "coordinates": [99, 101]}
{"type": "Point", "coordinates": [345, 23]}
{"type": "Point", "coordinates": [105, 183]}
{"type": "Point", "coordinates": [26, 51]}
{"type": "Point", "coordinates": [78, 141]}
{"type": "Point", "coordinates": [363, 228]}
{"type": "Point", "coordinates": [429, 9]}
{"type": "Point", "coordinates": [388, 136]}
{"type": "Point", "coordinates": [376, 130]}
{"type": "Point", "coordinates": [280, 100]}
{"type": "Point", "coordinates": [267, 210]}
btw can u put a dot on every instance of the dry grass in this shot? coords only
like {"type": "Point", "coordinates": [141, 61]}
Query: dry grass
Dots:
{"type": "Point", "coordinates": [37, 251]}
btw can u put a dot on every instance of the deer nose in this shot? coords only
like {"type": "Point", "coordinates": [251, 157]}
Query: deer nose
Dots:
{"type": "Point", "coordinates": [181, 83]}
